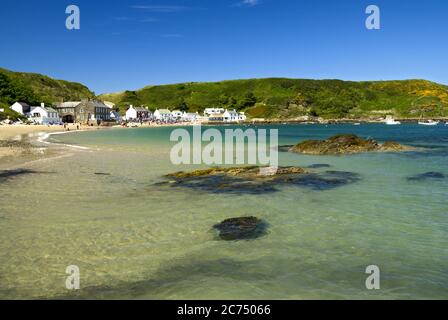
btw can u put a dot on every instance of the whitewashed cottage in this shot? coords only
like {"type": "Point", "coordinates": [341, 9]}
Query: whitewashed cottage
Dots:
{"type": "Point", "coordinates": [21, 107]}
{"type": "Point", "coordinates": [137, 113]}
{"type": "Point", "coordinates": [162, 115]}
{"type": "Point", "coordinates": [44, 115]}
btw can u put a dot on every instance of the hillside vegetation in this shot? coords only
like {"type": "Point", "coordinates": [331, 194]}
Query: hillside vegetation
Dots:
{"type": "Point", "coordinates": [36, 88]}
{"type": "Point", "coordinates": [291, 98]}
{"type": "Point", "coordinates": [271, 98]}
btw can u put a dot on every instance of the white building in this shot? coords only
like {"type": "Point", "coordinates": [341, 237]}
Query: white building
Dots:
{"type": "Point", "coordinates": [213, 111]}
{"type": "Point", "coordinates": [162, 115]}
{"type": "Point", "coordinates": [44, 115]}
{"type": "Point", "coordinates": [115, 115]}
{"type": "Point", "coordinates": [242, 116]}
{"type": "Point", "coordinates": [177, 114]}
{"type": "Point", "coordinates": [230, 116]}
{"type": "Point", "coordinates": [190, 117]}
{"type": "Point", "coordinates": [233, 116]}
{"type": "Point", "coordinates": [21, 107]}
{"type": "Point", "coordinates": [137, 113]}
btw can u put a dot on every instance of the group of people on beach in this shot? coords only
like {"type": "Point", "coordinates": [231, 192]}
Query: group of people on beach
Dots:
{"type": "Point", "coordinates": [67, 128]}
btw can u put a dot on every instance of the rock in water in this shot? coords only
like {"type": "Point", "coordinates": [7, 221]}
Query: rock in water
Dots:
{"type": "Point", "coordinates": [427, 175]}
{"type": "Point", "coordinates": [256, 180]}
{"type": "Point", "coordinates": [242, 228]}
{"type": "Point", "coordinates": [319, 166]}
{"type": "Point", "coordinates": [346, 144]}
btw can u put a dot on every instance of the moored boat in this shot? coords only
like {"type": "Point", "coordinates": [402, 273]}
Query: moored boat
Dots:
{"type": "Point", "coordinates": [392, 122]}
{"type": "Point", "coordinates": [428, 123]}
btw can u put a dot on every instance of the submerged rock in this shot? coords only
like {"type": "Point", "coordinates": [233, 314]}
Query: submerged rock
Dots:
{"type": "Point", "coordinates": [252, 172]}
{"type": "Point", "coordinates": [250, 180]}
{"type": "Point", "coordinates": [319, 165]}
{"type": "Point", "coordinates": [242, 228]}
{"type": "Point", "coordinates": [327, 180]}
{"type": "Point", "coordinates": [102, 174]}
{"type": "Point", "coordinates": [346, 144]}
{"type": "Point", "coordinates": [8, 174]}
{"type": "Point", "coordinates": [426, 176]}
{"type": "Point", "coordinates": [238, 180]}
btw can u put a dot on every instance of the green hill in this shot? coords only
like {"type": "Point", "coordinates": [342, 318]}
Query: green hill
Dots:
{"type": "Point", "coordinates": [270, 98]}
{"type": "Point", "coordinates": [290, 98]}
{"type": "Point", "coordinates": [36, 88]}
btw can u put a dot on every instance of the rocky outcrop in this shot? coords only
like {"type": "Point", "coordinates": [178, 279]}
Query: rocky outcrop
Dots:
{"type": "Point", "coordinates": [346, 144]}
{"type": "Point", "coordinates": [252, 172]}
{"type": "Point", "coordinates": [252, 180]}
{"type": "Point", "coordinates": [242, 228]}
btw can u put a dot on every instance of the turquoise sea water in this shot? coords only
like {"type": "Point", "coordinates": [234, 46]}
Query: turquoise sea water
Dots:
{"type": "Point", "coordinates": [134, 239]}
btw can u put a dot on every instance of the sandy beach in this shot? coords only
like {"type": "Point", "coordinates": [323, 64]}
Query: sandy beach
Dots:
{"type": "Point", "coordinates": [10, 132]}
{"type": "Point", "coordinates": [17, 140]}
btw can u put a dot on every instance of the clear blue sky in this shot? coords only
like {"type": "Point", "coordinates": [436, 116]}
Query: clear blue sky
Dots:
{"type": "Point", "coordinates": [129, 44]}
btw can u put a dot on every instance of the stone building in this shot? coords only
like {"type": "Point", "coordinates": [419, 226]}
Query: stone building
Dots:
{"type": "Point", "coordinates": [86, 111]}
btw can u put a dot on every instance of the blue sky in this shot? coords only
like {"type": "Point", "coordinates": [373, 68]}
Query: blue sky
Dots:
{"type": "Point", "coordinates": [129, 44]}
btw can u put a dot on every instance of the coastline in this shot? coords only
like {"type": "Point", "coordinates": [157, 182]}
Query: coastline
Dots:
{"type": "Point", "coordinates": [84, 193]}
{"type": "Point", "coordinates": [23, 140]}
{"type": "Point", "coordinates": [20, 144]}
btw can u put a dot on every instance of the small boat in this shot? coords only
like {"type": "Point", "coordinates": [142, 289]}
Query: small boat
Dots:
{"type": "Point", "coordinates": [428, 123]}
{"type": "Point", "coordinates": [357, 124]}
{"type": "Point", "coordinates": [392, 122]}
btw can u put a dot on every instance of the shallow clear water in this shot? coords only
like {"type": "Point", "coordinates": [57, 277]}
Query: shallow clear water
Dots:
{"type": "Point", "coordinates": [133, 239]}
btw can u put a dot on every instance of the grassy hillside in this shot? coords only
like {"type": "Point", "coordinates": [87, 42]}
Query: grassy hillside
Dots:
{"type": "Point", "coordinates": [290, 98]}
{"type": "Point", "coordinates": [35, 88]}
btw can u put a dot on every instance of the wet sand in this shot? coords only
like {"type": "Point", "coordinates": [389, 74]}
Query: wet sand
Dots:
{"type": "Point", "coordinates": [10, 132]}
{"type": "Point", "coordinates": [20, 143]}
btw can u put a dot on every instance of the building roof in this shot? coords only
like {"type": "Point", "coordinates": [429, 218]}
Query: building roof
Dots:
{"type": "Point", "coordinates": [96, 103]}
{"type": "Point", "coordinates": [68, 104]}
{"type": "Point", "coordinates": [164, 111]}
{"type": "Point", "coordinates": [232, 112]}
{"type": "Point", "coordinates": [48, 109]}
{"type": "Point", "coordinates": [217, 115]}
{"type": "Point", "coordinates": [23, 104]}
{"type": "Point", "coordinates": [141, 109]}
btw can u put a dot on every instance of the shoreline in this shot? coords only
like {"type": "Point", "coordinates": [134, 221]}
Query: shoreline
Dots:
{"type": "Point", "coordinates": [11, 132]}
{"type": "Point", "coordinates": [22, 144]}
{"type": "Point", "coordinates": [17, 140]}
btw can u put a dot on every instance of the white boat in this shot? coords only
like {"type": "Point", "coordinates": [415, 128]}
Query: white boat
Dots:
{"type": "Point", "coordinates": [428, 123]}
{"type": "Point", "coordinates": [392, 122]}
{"type": "Point", "coordinates": [357, 124]}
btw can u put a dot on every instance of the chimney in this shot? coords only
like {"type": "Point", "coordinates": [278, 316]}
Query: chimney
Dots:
{"type": "Point", "coordinates": [42, 105]}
